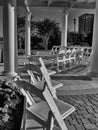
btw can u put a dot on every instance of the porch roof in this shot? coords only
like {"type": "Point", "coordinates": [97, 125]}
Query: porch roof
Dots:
{"type": "Point", "coordinates": [66, 4]}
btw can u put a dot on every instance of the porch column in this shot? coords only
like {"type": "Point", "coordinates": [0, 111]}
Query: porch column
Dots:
{"type": "Point", "coordinates": [94, 63]}
{"type": "Point", "coordinates": [16, 43]}
{"type": "Point", "coordinates": [9, 37]}
{"type": "Point", "coordinates": [27, 35]}
{"type": "Point", "coordinates": [64, 29]}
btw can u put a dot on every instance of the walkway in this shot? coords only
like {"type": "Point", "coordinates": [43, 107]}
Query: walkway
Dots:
{"type": "Point", "coordinates": [82, 92]}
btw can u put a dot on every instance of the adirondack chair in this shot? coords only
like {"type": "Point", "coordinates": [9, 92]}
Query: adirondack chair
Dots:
{"type": "Point", "coordinates": [61, 59]}
{"type": "Point", "coordinates": [71, 56]}
{"type": "Point", "coordinates": [87, 55]}
{"type": "Point", "coordinates": [65, 59]}
{"type": "Point", "coordinates": [45, 112]}
{"type": "Point", "coordinates": [52, 99]}
{"type": "Point", "coordinates": [55, 50]}
{"type": "Point", "coordinates": [83, 54]}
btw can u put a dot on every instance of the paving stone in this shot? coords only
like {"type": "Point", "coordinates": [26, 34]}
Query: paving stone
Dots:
{"type": "Point", "coordinates": [92, 120]}
{"type": "Point", "coordinates": [86, 115]}
{"type": "Point", "coordinates": [96, 124]}
{"type": "Point", "coordinates": [89, 104]}
{"type": "Point", "coordinates": [83, 112]}
{"type": "Point", "coordinates": [90, 111]}
{"type": "Point", "coordinates": [79, 127]}
{"type": "Point", "coordinates": [96, 115]}
{"type": "Point", "coordinates": [79, 121]}
{"type": "Point", "coordinates": [90, 126]}
{"type": "Point", "coordinates": [74, 122]}
{"type": "Point", "coordinates": [67, 123]}
{"type": "Point", "coordinates": [72, 128]}
{"type": "Point", "coordinates": [85, 121]}
{"type": "Point", "coordinates": [95, 107]}
{"type": "Point", "coordinates": [96, 120]}
{"type": "Point", "coordinates": [96, 110]}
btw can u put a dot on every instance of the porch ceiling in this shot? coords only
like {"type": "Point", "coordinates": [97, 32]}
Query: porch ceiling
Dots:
{"type": "Point", "coordinates": [86, 4]}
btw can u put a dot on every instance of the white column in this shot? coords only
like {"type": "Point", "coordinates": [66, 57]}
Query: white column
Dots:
{"type": "Point", "coordinates": [64, 29]}
{"type": "Point", "coordinates": [94, 63]}
{"type": "Point", "coordinates": [16, 44]}
{"type": "Point", "coordinates": [9, 36]}
{"type": "Point", "coordinates": [27, 35]}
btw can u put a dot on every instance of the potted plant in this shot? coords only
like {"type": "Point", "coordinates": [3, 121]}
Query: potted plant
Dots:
{"type": "Point", "coordinates": [11, 106]}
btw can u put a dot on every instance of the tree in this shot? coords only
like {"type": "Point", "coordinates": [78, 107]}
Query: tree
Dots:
{"type": "Point", "coordinates": [44, 30]}
{"type": "Point", "coordinates": [21, 31]}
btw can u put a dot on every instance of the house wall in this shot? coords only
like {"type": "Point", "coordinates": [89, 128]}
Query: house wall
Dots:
{"type": "Point", "coordinates": [75, 13]}
{"type": "Point", "coordinates": [54, 14]}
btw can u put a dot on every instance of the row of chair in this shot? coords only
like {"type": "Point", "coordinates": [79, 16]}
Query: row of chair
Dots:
{"type": "Point", "coordinates": [48, 112]}
{"type": "Point", "coordinates": [69, 57]}
{"type": "Point", "coordinates": [62, 58]}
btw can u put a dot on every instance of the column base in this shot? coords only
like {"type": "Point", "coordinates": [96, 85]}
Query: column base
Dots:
{"type": "Point", "coordinates": [27, 55]}
{"type": "Point", "coordinates": [12, 74]}
{"type": "Point", "coordinates": [92, 74]}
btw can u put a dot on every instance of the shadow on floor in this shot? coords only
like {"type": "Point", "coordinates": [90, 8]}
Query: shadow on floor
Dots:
{"type": "Point", "coordinates": [65, 77]}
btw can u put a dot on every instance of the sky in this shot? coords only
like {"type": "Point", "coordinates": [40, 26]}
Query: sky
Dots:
{"type": "Point", "coordinates": [54, 14]}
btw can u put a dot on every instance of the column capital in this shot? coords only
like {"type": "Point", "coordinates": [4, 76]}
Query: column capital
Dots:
{"type": "Point", "coordinates": [65, 12]}
{"type": "Point", "coordinates": [12, 2]}
{"type": "Point", "coordinates": [28, 16]}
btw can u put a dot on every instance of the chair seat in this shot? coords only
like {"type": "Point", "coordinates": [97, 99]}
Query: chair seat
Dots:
{"type": "Point", "coordinates": [40, 110]}
{"type": "Point", "coordinates": [56, 84]}
{"type": "Point", "coordinates": [35, 89]}
{"type": "Point", "coordinates": [64, 108]}
{"type": "Point", "coordinates": [51, 72]}
{"type": "Point", "coordinates": [39, 85]}
{"type": "Point", "coordinates": [33, 124]}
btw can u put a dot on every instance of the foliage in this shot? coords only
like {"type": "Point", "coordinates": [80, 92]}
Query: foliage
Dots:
{"type": "Point", "coordinates": [45, 30]}
{"type": "Point", "coordinates": [1, 38]}
{"type": "Point", "coordinates": [76, 38]}
{"type": "Point", "coordinates": [11, 106]}
{"type": "Point", "coordinates": [55, 41]}
{"type": "Point", "coordinates": [44, 34]}
{"type": "Point", "coordinates": [21, 24]}
{"type": "Point", "coordinates": [21, 31]}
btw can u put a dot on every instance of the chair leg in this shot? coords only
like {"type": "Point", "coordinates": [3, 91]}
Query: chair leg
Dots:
{"type": "Point", "coordinates": [23, 124]}
{"type": "Point", "coordinates": [50, 125]}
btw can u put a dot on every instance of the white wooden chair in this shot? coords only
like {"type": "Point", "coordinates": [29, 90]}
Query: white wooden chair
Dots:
{"type": "Point", "coordinates": [55, 50]}
{"type": "Point", "coordinates": [43, 113]}
{"type": "Point", "coordinates": [48, 62]}
{"type": "Point", "coordinates": [84, 54]}
{"type": "Point", "coordinates": [36, 115]}
{"type": "Point", "coordinates": [59, 108]}
{"type": "Point", "coordinates": [40, 112]}
{"type": "Point", "coordinates": [65, 58]}
{"type": "Point", "coordinates": [36, 75]}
